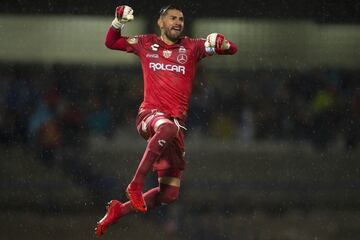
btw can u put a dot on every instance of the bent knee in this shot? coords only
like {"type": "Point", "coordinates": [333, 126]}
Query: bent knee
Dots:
{"type": "Point", "coordinates": [168, 129]}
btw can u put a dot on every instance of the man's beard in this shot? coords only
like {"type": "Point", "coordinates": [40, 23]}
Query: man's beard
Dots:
{"type": "Point", "coordinates": [173, 38]}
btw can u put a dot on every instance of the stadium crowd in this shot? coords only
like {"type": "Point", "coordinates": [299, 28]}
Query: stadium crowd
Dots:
{"type": "Point", "coordinates": [62, 105]}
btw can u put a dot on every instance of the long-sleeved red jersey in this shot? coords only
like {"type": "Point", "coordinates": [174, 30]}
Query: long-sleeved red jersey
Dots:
{"type": "Point", "coordinates": [168, 70]}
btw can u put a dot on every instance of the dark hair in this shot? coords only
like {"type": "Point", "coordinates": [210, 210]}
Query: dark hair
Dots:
{"type": "Point", "coordinates": [163, 10]}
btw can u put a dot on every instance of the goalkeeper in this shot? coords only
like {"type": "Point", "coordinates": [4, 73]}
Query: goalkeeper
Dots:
{"type": "Point", "coordinates": [168, 62]}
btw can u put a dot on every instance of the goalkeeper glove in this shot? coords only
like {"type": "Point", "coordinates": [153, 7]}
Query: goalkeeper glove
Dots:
{"type": "Point", "coordinates": [123, 14]}
{"type": "Point", "coordinates": [216, 42]}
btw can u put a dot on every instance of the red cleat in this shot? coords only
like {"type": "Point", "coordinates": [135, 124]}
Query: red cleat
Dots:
{"type": "Point", "coordinates": [113, 213]}
{"type": "Point", "coordinates": [136, 198]}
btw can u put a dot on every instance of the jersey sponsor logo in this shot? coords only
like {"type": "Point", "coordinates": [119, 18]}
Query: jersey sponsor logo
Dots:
{"type": "Point", "coordinates": [167, 67]}
{"type": "Point", "coordinates": [155, 47]}
{"type": "Point", "coordinates": [167, 53]}
{"type": "Point", "coordinates": [152, 55]}
{"type": "Point", "coordinates": [182, 58]}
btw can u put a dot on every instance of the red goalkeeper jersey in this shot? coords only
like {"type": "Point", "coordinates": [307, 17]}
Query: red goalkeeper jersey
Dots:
{"type": "Point", "coordinates": [168, 70]}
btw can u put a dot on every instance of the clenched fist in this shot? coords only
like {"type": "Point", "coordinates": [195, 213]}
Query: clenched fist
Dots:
{"type": "Point", "coordinates": [123, 14]}
{"type": "Point", "coordinates": [216, 42]}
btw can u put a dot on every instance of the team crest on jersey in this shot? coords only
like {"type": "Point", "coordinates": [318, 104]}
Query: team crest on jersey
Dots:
{"type": "Point", "coordinates": [133, 40]}
{"type": "Point", "coordinates": [167, 53]}
{"type": "Point", "coordinates": [182, 58]}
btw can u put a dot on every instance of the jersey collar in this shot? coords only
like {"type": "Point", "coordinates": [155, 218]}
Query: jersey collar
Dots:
{"type": "Point", "coordinates": [165, 45]}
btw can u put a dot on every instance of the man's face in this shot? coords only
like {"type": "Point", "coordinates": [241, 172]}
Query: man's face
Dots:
{"type": "Point", "coordinates": [172, 24]}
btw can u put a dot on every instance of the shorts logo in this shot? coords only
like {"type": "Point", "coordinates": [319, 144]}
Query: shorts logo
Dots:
{"type": "Point", "coordinates": [167, 53]}
{"type": "Point", "coordinates": [155, 47]}
{"type": "Point", "coordinates": [161, 142]}
{"type": "Point", "coordinates": [181, 58]}
{"type": "Point", "coordinates": [167, 67]}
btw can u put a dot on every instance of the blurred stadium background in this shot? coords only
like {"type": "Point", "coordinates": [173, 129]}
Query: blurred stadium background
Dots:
{"type": "Point", "coordinates": [273, 141]}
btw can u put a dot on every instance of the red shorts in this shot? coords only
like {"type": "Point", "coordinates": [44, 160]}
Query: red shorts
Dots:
{"type": "Point", "coordinates": [173, 156]}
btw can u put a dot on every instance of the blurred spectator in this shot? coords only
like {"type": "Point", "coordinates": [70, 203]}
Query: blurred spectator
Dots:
{"type": "Point", "coordinates": [99, 118]}
{"type": "Point", "coordinates": [323, 104]}
{"type": "Point", "coordinates": [324, 117]}
{"type": "Point", "coordinates": [72, 123]}
{"type": "Point", "coordinates": [223, 127]}
{"type": "Point", "coordinates": [199, 113]}
{"type": "Point", "coordinates": [17, 105]}
{"type": "Point", "coordinates": [247, 126]}
{"type": "Point", "coordinates": [43, 127]}
{"type": "Point", "coordinates": [351, 124]}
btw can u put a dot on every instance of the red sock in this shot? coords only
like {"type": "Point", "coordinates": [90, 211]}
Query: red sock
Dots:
{"type": "Point", "coordinates": [155, 197]}
{"type": "Point", "coordinates": [164, 134]}
{"type": "Point", "coordinates": [150, 199]}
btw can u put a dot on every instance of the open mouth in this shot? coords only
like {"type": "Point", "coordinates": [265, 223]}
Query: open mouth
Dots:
{"type": "Point", "coordinates": [178, 29]}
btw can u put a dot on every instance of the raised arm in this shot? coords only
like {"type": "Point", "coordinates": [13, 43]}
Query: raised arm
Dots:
{"type": "Point", "coordinates": [114, 40]}
{"type": "Point", "coordinates": [216, 43]}
{"type": "Point", "coordinates": [228, 48]}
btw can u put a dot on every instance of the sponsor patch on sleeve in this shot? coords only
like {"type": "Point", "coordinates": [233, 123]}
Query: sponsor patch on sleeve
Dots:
{"type": "Point", "coordinates": [132, 40]}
